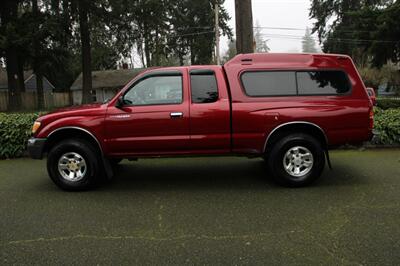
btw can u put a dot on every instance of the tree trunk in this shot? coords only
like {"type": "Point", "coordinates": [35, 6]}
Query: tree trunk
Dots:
{"type": "Point", "coordinates": [14, 93]}
{"type": "Point", "coordinates": [66, 31]}
{"type": "Point", "coordinates": [21, 76]}
{"type": "Point", "coordinates": [157, 56]}
{"type": "Point", "coordinates": [40, 93]}
{"type": "Point", "coordinates": [36, 63]}
{"type": "Point", "coordinates": [8, 12]}
{"type": "Point", "coordinates": [141, 52]}
{"type": "Point", "coordinates": [86, 51]}
{"type": "Point", "coordinates": [181, 59]}
{"type": "Point", "coordinates": [147, 46]}
{"type": "Point", "coordinates": [147, 52]}
{"type": "Point", "coordinates": [244, 27]}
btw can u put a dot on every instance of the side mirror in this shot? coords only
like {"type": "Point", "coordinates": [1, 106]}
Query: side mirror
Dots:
{"type": "Point", "coordinates": [120, 102]}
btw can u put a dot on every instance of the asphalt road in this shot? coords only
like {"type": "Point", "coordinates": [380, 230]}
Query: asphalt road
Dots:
{"type": "Point", "coordinates": [205, 211]}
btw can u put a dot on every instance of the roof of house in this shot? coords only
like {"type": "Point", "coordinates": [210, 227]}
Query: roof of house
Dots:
{"type": "Point", "coordinates": [30, 84]}
{"type": "Point", "coordinates": [108, 79]}
{"type": "Point", "coordinates": [4, 79]}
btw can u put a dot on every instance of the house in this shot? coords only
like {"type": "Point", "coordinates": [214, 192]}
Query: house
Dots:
{"type": "Point", "coordinates": [29, 80]}
{"type": "Point", "coordinates": [105, 84]}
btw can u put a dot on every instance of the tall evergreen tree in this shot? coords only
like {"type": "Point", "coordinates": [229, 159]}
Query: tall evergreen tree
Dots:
{"type": "Point", "coordinates": [260, 42]}
{"type": "Point", "coordinates": [308, 42]}
{"type": "Point", "coordinates": [231, 52]}
{"type": "Point", "coordinates": [193, 26]}
{"type": "Point", "coordinates": [338, 29]}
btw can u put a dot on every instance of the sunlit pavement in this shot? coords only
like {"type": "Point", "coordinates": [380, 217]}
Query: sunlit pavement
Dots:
{"type": "Point", "coordinates": [205, 211]}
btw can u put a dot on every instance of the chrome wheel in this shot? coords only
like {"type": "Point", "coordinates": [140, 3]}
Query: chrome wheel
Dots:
{"type": "Point", "coordinates": [298, 161]}
{"type": "Point", "coordinates": [72, 167]}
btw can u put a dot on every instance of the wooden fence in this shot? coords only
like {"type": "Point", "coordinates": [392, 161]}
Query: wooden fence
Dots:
{"type": "Point", "coordinates": [29, 100]}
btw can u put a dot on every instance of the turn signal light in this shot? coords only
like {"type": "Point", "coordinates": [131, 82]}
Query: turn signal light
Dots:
{"type": "Point", "coordinates": [35, 127]}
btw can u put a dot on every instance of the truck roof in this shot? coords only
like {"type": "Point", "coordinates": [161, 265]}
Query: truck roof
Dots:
{"type": "Point", "coordinates": [289, 59]}
{"type": "Point", "coordinates": [278, 60]}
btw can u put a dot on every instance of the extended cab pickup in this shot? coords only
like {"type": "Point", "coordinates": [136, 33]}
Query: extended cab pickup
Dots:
{"type": "Point", "coordinates": [286, 108]}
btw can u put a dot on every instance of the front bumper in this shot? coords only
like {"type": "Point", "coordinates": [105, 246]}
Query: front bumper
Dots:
{"type": "Point", "coordinates": [36, 148]}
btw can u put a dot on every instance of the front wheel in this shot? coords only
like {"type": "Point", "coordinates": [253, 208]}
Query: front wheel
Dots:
{"type": "Point", "coordinates": [296, 160]}
{"type": "Point", "coordinates": [74, 165]}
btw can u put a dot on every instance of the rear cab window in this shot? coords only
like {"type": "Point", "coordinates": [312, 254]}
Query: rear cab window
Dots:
{"type": "Point", "coordinates": [272, 83]}
{"type": "Point", "coordinates": [322, 82]}
{"type": "Point", "coordinates": [295, 83]}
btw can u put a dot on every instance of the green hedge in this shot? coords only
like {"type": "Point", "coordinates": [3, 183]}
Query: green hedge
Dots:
{"type": "Point", "coordinates": [387, 103]}
{"type": "Point", "coordinates": [15, 129]}
{"type": "Point", "coordinates": [387, 125]}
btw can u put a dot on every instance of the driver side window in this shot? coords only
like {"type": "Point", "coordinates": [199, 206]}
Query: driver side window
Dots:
{"type": "Point", "coordinates": [156, 90]}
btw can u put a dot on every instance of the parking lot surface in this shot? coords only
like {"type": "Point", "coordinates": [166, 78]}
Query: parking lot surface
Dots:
{"type": "Point", "coordinates": [205, 211]}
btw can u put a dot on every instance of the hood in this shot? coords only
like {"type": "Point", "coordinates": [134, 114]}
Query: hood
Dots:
{"type": "Point", "coordinates": [94, 109]}
{"type": "Point", "coordinates": [84, 107]}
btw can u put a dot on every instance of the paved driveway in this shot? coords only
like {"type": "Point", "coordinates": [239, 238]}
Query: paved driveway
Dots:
{"type": "Point", "coordinates": [205, 211]}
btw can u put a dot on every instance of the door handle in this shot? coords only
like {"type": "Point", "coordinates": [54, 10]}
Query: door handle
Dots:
{"type": "Point", "coordinates": [176, 115]}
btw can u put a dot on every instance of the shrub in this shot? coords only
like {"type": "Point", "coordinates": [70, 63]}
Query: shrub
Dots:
{"type": "Point", "coordinates": [387, 124]}
{"type": "Point", "coordinates": [388, 74]}
{"type": "Point", "coordinates": [387, 103]}
{"type": "Point", "coordinates": [15, 130]}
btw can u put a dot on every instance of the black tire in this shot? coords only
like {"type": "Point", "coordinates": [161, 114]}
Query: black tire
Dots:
{"type": "Point", "coordinates": [281, 151]}
{"type": "Point", "coordinates": [92, 175]}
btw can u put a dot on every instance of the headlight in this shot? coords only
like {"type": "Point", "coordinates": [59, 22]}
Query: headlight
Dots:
{"type": "Point", "coordinates": [35, 127]}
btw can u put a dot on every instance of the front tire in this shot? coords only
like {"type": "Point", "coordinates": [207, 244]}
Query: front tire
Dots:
{"type": "Point", "coordinates": [296, 160]}
{"type": "Point", "coordinates": [74, 165]}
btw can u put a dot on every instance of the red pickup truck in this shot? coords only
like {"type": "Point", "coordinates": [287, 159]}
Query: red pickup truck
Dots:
{"type": "Point", "coordinates": [286, 108]}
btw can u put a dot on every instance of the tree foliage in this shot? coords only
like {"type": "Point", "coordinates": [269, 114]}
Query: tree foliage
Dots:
{"type": "Point", "coordinates": [60, 38]}
{"type": "Point", "coordinates": [308, 42]}
{"type": "Point", "coordinates": [231, 52]}
{"type": "Point", "coordinates": [387, 74]}
{"type": "Point", "coordinates": [368, 30]}
{"type": "Point", "coordinates": [260, 41]}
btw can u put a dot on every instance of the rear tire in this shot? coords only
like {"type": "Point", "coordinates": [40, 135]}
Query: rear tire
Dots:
{"type": "Point", "coordinates": [74, 165]}
{"type": "Point", "coordinates": [296, 160]}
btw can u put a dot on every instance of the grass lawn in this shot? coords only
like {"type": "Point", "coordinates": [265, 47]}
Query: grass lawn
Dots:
{"type": "Point", "coordinates": [205, 211]}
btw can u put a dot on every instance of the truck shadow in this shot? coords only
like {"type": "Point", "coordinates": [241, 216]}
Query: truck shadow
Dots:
{"type": "Point", "coordinates": [213, 174]}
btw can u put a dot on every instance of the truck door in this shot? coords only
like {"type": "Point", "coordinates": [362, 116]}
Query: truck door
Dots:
{"type": "Point", "coordinates": [154, 118]}
{"type": "Point", "coordinates": [210, 131]}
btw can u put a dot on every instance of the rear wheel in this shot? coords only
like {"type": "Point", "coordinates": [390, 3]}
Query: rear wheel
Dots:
{"type": "Point", "coordinates": [74, 165]}
{"type": "Point", "coordinates": [296, 160]}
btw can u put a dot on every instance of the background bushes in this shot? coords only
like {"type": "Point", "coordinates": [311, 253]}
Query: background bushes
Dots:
{"type": "Point", "coordinates": [387, 103]}
{"type": "Point", "coordinates": [387, 125]}
{"type": "Point", "coordinates": [387, 74]}
{"type": "Point", "coordinates": [15, 130]}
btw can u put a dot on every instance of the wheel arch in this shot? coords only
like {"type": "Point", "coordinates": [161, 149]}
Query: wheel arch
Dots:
{"type": "Point", "coordinates": [72, 133]}
{"type": "Point", "coordinates": [298, 127]}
